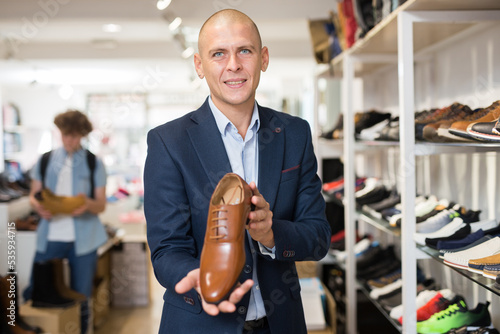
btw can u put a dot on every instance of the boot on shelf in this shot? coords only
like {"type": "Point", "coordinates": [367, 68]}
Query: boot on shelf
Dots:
{"type": "Point", "coordinates": [11, 322]}
{"type": "Point", "coordinates": [45, 293]}
{"type": "Point", "coordinates": [62, 288]}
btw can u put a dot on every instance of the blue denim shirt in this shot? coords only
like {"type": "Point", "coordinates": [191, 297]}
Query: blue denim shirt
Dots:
{"type": "Point", "coordinates": [89, 231]}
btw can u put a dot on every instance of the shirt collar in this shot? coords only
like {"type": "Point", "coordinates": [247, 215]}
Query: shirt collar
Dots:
{"type": "Point", "coordinates": [223, 123]}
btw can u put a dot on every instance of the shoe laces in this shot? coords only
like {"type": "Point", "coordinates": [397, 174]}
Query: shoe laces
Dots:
{"type": "Point", "coordinates": [216, 226]}
{"type": "Point", "coordinates": [451, 310]}
{"type": "Point", "coordinates": [217, 217]}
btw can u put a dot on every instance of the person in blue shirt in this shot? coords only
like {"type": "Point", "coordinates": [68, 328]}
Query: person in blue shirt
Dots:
{"type": "Point", "coordinates": [272, 151]}
{"type": "Point", "coordinates": [77, 235]}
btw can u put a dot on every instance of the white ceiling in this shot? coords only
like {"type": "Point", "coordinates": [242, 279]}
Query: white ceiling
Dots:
{"type": "Point", "coordinates": [62, 41]}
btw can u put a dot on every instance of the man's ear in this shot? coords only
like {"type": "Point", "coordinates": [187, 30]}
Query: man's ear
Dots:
{"type": "Point", "coordinates": [197, 65]}
{"type": "Point", "coordinates": [265, 58]}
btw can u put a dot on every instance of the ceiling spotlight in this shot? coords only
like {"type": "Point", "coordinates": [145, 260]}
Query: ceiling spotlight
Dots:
{"type": "Point", "coordinates": [188, 52]}
{"type": "Point", "coordinates": [110, 27]}
{"type": "Point", "coordinates": [162, 4]}
{"type": "Point", "coordinates": [175, 24]}
{"type": "Point", "coordinates": [66, 91]}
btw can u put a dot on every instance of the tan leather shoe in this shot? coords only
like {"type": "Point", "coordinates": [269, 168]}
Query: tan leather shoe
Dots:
{"type": "Point", "coordinates": [477, 265]}
{"type": "Point", "coordinates": [60, 204]}
{"type": "Point", "coordinates": [490, 114]}
{"type": "Point", "coordinates": [223, 253]}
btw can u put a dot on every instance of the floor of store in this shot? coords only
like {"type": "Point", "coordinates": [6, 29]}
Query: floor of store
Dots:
{"type": "Point", "coordinates": [144, 320]}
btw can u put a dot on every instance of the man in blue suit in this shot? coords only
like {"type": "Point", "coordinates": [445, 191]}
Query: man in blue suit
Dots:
{"type": "Point", "coordinates": [273, 152]}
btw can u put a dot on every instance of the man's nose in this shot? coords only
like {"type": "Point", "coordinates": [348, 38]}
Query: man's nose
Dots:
{"type": "Point", "coordinates": [233, 63]}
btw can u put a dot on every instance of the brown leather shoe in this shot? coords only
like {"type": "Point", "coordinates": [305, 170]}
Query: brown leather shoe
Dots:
{"type": "Point", "coordinates": [59, 204]}
{"type": "Point", "coordinates": [63, 289]}
{"type": "Point", "coordinates": [458, 112]}
{"type": "Point", "coordinates": [223, 253]}
{"type": "Point", "coordinates": [491, 113]}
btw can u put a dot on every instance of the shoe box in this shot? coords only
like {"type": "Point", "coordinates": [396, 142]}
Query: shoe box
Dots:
{"type": "Point", "coordinates": [130, 274]}
{"type": "Point", "coordinates": [52, 320]}
{"type": "Point", "coordinates": [324, 305]}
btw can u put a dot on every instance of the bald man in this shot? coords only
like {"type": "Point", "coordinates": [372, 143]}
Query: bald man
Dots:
{"type": "Point", "coordinates": [270, 150]}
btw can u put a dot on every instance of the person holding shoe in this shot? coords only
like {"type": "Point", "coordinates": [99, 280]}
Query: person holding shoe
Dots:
{"type": "Point", "coordinates": [273, 153]}
{"type": "Point", "coordinates": [68, 191]}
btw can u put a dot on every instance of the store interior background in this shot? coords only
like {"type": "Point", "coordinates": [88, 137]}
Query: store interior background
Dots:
{"type": "Point", "coordinates": [54, 55]}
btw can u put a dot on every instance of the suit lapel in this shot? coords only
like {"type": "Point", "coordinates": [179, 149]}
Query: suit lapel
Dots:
{"type": "Point", "coordinates": [207, 142]}
{"type": "Point", "coordinates": [271, 154]}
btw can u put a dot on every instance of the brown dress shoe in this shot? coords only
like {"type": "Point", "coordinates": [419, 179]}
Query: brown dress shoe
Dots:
{"type": "Point", "coordinates": [59, 204]}
{"type": "Point", "coordinates": [223, 253]}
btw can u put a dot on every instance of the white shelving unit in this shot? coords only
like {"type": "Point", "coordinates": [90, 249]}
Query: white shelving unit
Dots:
{"type": "Point", "coordinates": [399, 40]}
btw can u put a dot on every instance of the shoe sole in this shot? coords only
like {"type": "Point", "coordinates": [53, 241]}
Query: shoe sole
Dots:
{"type": "Point", "coordinates": [493, 277]}
{"type": "Point", "coordinates": [446, 133]}
{"type": "Point", "coordinates": [475, 270]}
{"type": "Point", "coordinates": [461, 134]}
{"type": "Point", "coordinates": [456, 265]}
{"type": "Point", "coordinates": [484, 136]}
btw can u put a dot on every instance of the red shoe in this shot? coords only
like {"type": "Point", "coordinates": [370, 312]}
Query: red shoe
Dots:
{"type": "Point", "coordinates": [436, 304]}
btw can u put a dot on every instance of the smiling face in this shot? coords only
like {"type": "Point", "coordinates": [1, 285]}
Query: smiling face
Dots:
{"type": "Point", "coordinates": [230, 58]}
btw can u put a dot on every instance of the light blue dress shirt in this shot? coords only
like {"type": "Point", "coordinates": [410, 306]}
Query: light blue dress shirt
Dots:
{"type": "Point", "coordinates": [243, 156]}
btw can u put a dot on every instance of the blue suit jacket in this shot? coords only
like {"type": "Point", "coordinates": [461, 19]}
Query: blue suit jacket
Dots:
{"type": "Point", "coordinates": [185, 161]}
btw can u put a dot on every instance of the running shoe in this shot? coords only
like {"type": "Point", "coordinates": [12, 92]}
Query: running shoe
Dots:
{"type": "Point", "coordinates": [455, 316]}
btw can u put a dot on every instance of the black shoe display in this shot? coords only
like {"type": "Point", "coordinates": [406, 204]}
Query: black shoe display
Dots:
{"type": "Point", "coordinates": [369, 119]}
{"type": "Point", "coordinates": [45, 292]}
{"type": "Point", "coordinates": [459, 234]}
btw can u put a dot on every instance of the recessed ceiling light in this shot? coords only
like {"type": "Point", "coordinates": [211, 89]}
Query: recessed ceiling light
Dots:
{"type": "Point", "coordinates": [188, 52]}
{"type": "Point", "coordinates": [175, 24]}
{"type": "Point", "coordinates": [162, 4]}
{"type": "Point", "coordinates": [111, 27]}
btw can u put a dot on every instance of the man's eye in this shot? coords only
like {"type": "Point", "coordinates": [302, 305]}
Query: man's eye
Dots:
{"type": "Point", "coordinates": [218, 54]}
{"type": "Point", "coordinates": [245, 51]}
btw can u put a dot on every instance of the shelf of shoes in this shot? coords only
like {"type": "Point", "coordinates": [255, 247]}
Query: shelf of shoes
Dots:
{"type": "Point", "coordinates": [380, 224]}
{"type": "Point", "coordinates": [366, 292]}
{"type": "Point", "coordinates": [485, 282]}
{"type": "Point", "coordinates": [333, 148]}
{"type": "Point", "coordinates": [415, 28]}
{"type": "Point", "coordinates": [380, 45]}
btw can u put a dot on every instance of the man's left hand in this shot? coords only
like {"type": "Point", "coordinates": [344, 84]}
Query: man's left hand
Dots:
{"type": "Point", "coordinates": [261, 219]}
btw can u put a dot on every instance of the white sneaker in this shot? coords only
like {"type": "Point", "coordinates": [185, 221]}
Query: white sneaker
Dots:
{"type": "Point", "coordinates": [425, 207]}
{"type": "Point", "coordinates": [461, 259]}
{"type": "Point", "coordinates": [377, 292]}
{"type": "Point", "coordinates": [422, 207]}
{"type": "Point", "coordinates": [483, 225]}
{"type": "Point", "coordinates": [422, 299]}
{"type": "Point", "coordinates": [370, 184]}
{"type": "Point", "coordinates": [359, 247]}
{"type": "Point", "coordinates": [372, 132]}
{"type": "Point", "coordinates": [439, 220]}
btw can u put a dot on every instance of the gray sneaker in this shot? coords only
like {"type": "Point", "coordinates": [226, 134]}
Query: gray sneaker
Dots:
{"type": "Point", "coordinates": [437, 222]}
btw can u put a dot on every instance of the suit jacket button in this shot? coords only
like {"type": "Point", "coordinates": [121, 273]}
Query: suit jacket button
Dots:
{"type": "Point", "coordinates": [189, 301]}
{"type": "Point", "coordinates": [242, 309]}
{"type": "Point", "coordinates": [247, 269]}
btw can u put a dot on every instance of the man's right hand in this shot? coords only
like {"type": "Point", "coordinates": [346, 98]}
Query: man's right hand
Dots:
{"type": "Point", "coordinates": [192, 281]}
